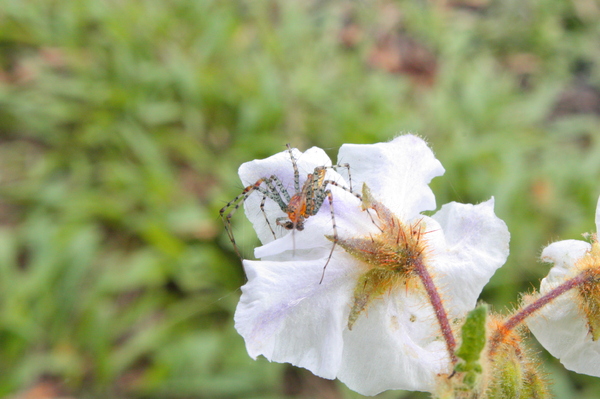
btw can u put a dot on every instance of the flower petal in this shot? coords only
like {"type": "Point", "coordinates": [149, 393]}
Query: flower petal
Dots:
{"type": "Point", "coordinates": [470, 245]}
{"type": "Point", "coordinates": [564, 255]}
{"type": "Point", "coordinates": [560, 326]}
{"type": "Point", "coordinates": [394, 346]}
{"type": "Point", "coordinates": [397, 172]}
{"type": "Point", "coordinates": [285, 315]}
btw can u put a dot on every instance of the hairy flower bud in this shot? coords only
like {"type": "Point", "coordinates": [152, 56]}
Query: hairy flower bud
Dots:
{"type": "Point", "coordinates": [494, 364]}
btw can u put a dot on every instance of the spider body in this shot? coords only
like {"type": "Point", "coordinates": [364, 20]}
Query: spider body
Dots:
{"type": "Point", "coordinates": [306, 201]}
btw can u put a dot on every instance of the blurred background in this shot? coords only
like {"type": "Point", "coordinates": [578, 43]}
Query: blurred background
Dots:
{"type": "Point", "coordinates": [123, 123]}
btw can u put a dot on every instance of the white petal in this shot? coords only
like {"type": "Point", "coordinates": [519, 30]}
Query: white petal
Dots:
{"type": "Point", "coordinates": [279, 165]}
{"type": "Point", "coordinates": [285, 315]}
{"type": "Point", "coordinates": [564, 254]}
{"type": "Point", "coordinates": [471, 244]}
{"type": "Point", "coordinates": [560, 326]}
{"type": "Point", "coordinates": [397, 172]}
{"type": "Point", "coordinates": [394, 346]}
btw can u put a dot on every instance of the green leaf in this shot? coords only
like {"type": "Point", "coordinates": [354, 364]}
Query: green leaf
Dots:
{"type": "Point", "coordinates": [473, 341]}
{"type": "Point", "coordinates": [473, 335]}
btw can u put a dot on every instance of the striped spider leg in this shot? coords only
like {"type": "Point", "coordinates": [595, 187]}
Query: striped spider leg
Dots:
{"type": "Point", "coordinates": [304, 203]}
{"type": "Point", "coordinates": [269, 187]}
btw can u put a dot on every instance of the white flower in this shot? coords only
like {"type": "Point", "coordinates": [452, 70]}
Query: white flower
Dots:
{"type": "Point", "coordinates": [286, 315]}
{"type": "Point", "coordinates": [562, 326]}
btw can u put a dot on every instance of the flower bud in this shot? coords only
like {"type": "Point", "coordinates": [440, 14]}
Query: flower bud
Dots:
{"type": "Point", "coordinates": [489, 369]}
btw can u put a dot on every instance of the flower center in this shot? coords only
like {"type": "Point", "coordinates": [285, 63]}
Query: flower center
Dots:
{"type": "Point", "coordinates": [589, 290]}
{"type": "Point", "coordinates": [391, 256]}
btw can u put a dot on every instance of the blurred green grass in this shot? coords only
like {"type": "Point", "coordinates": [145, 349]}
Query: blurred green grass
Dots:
{"type": "Point", "coordinates": [122, 124]}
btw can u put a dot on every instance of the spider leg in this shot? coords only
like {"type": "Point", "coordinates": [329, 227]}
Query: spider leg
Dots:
{"type": "Point", "coordinates": [274, 194]}
{"type": "Point", "coordinates": [334, 183]}
{"type": "Point", "coordinates": [295, 166]}
{"type": "Point", "coordinates": [262, 209]}
{"type": "Point", "coordinates": [335, 234]}
{"type": "Point", "coordinates": [335, 167]}
{"type": "Point", "coordinates": [235, 204]}
{"type": "Point", "coordinates": [280, 187]}
{"type": "Point", "coordinates": [347, 166]}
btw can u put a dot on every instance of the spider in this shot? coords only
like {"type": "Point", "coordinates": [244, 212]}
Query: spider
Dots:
{"type": "Point", "coordinates": [306, 201]}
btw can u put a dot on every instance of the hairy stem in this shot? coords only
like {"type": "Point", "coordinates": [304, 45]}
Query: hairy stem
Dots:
{"type": "Point", "coordinates": [533, 307]}
{"type": "Point", "coordinates": [436, 302]}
